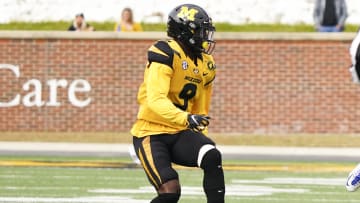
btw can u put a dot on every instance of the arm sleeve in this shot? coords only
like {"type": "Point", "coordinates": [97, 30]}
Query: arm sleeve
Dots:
{"type": "Point", "coordinates": [158, 85]}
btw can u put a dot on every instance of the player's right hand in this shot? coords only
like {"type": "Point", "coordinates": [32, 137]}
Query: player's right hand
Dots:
{"type": "Point", "coordinates": [197, 122]}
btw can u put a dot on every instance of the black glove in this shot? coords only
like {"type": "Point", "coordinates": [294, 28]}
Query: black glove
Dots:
{"type": "Point", "coordinates": [197, 122]}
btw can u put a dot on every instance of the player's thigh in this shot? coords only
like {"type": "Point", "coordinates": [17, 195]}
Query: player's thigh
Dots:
{"type": "Point", "coordinates": [187, 147]}
{"type": "Point", "coordinates": [154, 155]}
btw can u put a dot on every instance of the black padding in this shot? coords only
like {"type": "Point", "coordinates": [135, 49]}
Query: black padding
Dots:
{"type": "Point", "coordinates": [160, 58]}
{"type": "Point", "coordinates": [164, 47]}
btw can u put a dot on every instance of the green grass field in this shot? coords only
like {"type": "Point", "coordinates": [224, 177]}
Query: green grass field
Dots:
{"type": "Point", "coordinates": [108, 180]}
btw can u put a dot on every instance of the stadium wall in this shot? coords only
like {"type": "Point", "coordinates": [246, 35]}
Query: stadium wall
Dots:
{"type": "Point", "coordinates": [266, 82]}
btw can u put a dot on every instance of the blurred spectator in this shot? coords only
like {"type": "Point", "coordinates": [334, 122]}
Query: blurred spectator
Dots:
{"type": "Point", "coordinates": [79, 24]}
{"type": "Point", "coordinates": [330, 15]}
{"type": "Point", "coordinates": [127, 23]}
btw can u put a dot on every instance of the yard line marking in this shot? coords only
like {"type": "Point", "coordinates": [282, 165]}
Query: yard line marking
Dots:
{"type": "Point", "coordinates": [71, 177]}
{"type": "Point", "coordinates": [16, 176]}
{"type": "Point", "coordinates": [231, 190]}
{"type": "Point", "coordinates": [66, 164]}
{"type": "Point", "coordinates": [297, 181]}
{"type": "Point", "coordinates": [38, 188]}
{"type": "Point", "coordinates": [112, 199]}
{"type": "Point", "coordinates": [274, 199]}
{"type": "Point", "coordinates": [290, 168]}
{"type": "Point", "coordinates": [299, 167]}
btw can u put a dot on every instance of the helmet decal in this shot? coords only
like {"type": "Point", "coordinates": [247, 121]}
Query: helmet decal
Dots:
{"type": "Point", "coordinates": [187, 14]}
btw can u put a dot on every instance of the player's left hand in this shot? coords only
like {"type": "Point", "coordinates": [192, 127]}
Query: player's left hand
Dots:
{"type": "Point", "coordinates": [198, 123]}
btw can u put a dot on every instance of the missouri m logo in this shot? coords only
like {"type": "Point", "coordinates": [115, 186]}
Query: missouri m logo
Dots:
{"type": "Point", "coordinates": [187, 14]}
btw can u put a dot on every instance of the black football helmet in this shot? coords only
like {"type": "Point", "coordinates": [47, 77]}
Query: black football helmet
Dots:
{"type": "Point", "coordinates": [191, 25]}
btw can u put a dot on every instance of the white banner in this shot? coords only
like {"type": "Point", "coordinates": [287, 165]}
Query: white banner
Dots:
{"type": "Point", "coordinates": [239, 11]}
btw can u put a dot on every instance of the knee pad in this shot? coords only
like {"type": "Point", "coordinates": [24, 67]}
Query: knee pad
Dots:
{"type": "Point", "coordinates": [211, 159]}
{"type": "Point", "coordinates": [166, 198]}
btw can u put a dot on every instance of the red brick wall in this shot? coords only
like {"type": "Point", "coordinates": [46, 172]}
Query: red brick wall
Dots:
{"type": "Point", "coordinates": [263, 86]}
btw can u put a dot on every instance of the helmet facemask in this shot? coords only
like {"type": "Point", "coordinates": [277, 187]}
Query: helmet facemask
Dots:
{"type": "Point", "coordinates": [206, 34]}
{"type": "Point", "coordinates": [202, 37]}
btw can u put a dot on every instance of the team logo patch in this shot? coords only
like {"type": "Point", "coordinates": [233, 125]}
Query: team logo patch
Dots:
{"type": "Point", "coordinates": [185, 65]}
{"type": "Point", "coordinates": [211, 65]}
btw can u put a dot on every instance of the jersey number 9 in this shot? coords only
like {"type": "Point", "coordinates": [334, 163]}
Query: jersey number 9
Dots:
{"type": "Point", "coordinates": [187, 93]}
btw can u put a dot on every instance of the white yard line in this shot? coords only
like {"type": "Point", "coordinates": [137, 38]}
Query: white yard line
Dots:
{"type": "Point", "coordinates": [296, 181]}
{"type": "Point", "coordinates": [231, 190]}
{"type": "Point", "coordinates": [38, 188]}
{"type": "Point", "coordinates": [276, 200]}
{"type": "Point", "coordinates": [104, 199]}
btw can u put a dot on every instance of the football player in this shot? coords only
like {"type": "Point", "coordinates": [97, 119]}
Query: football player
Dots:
{"type": "Point", "coordinates": [174, 101]}
{"type": "Point", "coordinates": [353, 181]}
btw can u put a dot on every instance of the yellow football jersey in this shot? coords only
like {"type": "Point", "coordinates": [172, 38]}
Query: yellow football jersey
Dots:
{"type": "Point", "coordinates": [173, 87]}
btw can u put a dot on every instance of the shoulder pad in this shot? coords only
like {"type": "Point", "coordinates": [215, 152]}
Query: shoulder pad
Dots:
{"type": "Point", "coordinates": [162, 53]}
